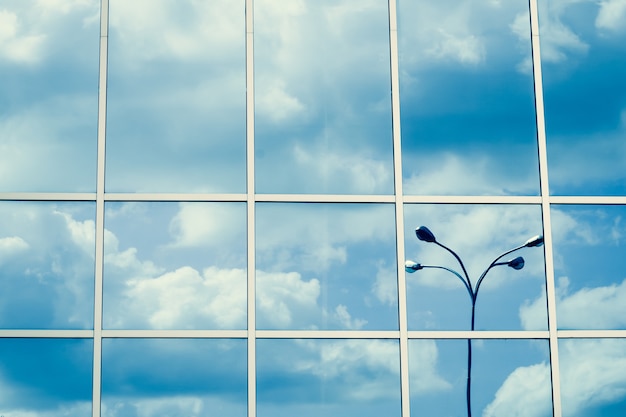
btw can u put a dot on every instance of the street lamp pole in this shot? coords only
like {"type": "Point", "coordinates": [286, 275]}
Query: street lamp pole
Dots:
{"type": "Point", "coordinates": [425, 235]}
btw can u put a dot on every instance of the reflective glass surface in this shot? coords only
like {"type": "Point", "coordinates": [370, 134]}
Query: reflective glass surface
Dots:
{"type": "Point", "coordinates": [589, 243]}
{"type": "Point", "coordinates": [328, 378]}
{"type": "Point", "coordinates": [508, 298]}
{"type": "Point", "coordinates": [322, 97]}
{"type": "Point", "coordinates": [326, 266]}
{"type": "Point", "coordinates": [48, 95]}
{"type": "Point", "coordinates": [583, 54]}
{"type": "Point", "coordinates": [173, 377]}
{"type": "Point", "coordinates": [46, 377]}
{"type": "Point", "coordinates": [175, 266]}
{"type": "Point", "coordinates": [508, 378]}
{"type": "Point", "coordinates": [593, 377]}
{"type": "Point", "coordinates": [176, 96]}
{"type": "Point", "coordinates": [47, 255]}
{"type": "Point", "coordinates": [467, 101]}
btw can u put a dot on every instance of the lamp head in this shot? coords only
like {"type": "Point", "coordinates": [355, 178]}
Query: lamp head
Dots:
{"type": "Point", "coordinates": [517, 263]}
{"type": "Point", "coordinates": [410, 266]}
{"type": "Point", "coordinates": [424, 234]}
{"type": "Point", "coordinates": [534, 242]}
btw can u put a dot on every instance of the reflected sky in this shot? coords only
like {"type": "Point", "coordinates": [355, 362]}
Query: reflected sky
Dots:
{"type": "Point", "coordinates": [590, 269]}
{"type": "Point", "coordinates": [593, 377]}
{"type": "Point", "coordinates": [508, 299]}
{"type": "Point", "coordinates": [175, 266]}
{"type": "Point", "coordinates": [322, 97]}
{"type": "Point", "coordinates": [467, 101]}
{"type": "Point", "coordinates": [163, 377]}
{"type": "Point", "coordinates": [328, 377]}
{"type": "Point", "coordinates": [45, 377]}
{"type": "Point", "coordinates": [177, 83]}
{"type": "Point", "coordinates": [48, 95]}
{"type": "Point", "coordinates": [509, 377]}
{"type": "Point", "coordinates": [326, 266]}
{"type": "Point", "coordinates": [47, 253]}
{"type": "Point", "coordinates": [583, 48]}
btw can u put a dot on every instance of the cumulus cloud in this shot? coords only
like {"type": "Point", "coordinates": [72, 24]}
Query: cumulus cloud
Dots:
{"type": "Point", "coordinates": [423, 365]}
{"type": "Point", "coordinates": [612, 15]}
{"type": "Point", "coordinates": [16, 46]}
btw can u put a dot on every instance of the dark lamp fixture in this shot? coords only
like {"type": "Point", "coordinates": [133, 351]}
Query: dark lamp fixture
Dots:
{"type": "Point", "coordinates": [517, 263]}
{"type": "Point", "coordinates": [424, 234]}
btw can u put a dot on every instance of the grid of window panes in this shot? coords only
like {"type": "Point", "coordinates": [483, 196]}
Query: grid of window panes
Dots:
{"type": "Point", "coordinates": [206, 207]}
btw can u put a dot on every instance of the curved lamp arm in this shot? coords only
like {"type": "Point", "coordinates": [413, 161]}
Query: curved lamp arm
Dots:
{"type": "Point", "coordinates": [410, 267]}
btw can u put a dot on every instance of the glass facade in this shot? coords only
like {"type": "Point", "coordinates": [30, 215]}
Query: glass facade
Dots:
{"type": "Point", "coordinates": [206, 208]}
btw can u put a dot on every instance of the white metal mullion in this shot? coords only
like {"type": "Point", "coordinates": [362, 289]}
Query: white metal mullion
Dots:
{"type": "Point", "coordinates": [399, 205]}
{"type": "Point", "coordinates": [250, 189]}
{"type": "Point", "coordinates": [99, 249]}
{"type": "Point", "coordinates": [545, 208]}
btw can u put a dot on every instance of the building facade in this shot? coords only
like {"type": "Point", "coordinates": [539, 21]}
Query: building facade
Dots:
{"type": "Point", "coordinates": [207, 205]}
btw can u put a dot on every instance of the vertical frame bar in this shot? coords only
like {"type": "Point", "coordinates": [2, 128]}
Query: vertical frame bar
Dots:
{"type": "Point", "coordinates": [99, 259]}
{"type": "Point", "coordinates": [545, 207]}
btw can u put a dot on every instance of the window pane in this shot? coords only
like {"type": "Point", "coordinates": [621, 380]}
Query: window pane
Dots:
{"type": "Point", "coordinates": [509, 299]}
{"type": "Point", "coordinates": [175, 266]}
{"type": "Point", "coordinates": [173, 377]}
{"type": "Point", "coordinates": [593, 377]}
{"type": "Point", "coordinates": [48, 95]}
{"type": "Point", "coordinates": [583, 53]}
{"type": "Point", "coordinates": [322, 97]}
{"type": "Point", "coordinates": [176, 96]}
{"type": "Point", "coordinates": [589, 266]}
{"type": "Point", "coordinates": [47, 255]}
{"type": "Point", "coordinates": [46, 377]}
{"type": "Point", "coordinates": [326, 266]}
{"type": "Point", "coordinates": [508, 378]}
{"type": "Point", "coordinates": [467, 100]}
{"type": "Point", "coordinates": [311, 378]}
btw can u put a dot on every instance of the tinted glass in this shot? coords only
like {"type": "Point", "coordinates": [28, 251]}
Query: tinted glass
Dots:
{"type": "Point", "coordinates": [322, 97]}
{"type": "Point", "coordinates": [326, 266]}
{"type": "Point", "coordinates": [48, 95]}
{"type": "Point", "coordinates": [175, 266]}
{"type": "Point", "coordinates": [467, 101]}
{"type": "Point", "coordinates": [47, 253]}
{"type": "Point", "coordinates": [589, 266]}
{"type": "Point", "coordinates": [173, 377]}
{"type": "Point", "coordinates": [46, 377]}
{"type": "Point", "coordinates": [508, 377]}
{"type": "Point", "coordinates": [583, 51]}
{"type": "Point", "coordinates": [507, 298]}
{"type": "Point", "coordinates": [176, 96]}
{"type": "Point", "coordinates": [328, 377]}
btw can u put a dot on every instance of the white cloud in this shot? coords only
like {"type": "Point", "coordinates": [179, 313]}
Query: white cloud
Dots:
{"type": "Point", "coordinates": [385, 287]}
{"type": "Point", "coordinates": [11, 245]}
{"type": "Point", "coordinates": [187, 405]}
{"type": "Point", "coordinates": [14, 44]}
{"type": "Point", "coordinates": [277, 104]}
{"type": "Point", "coordinates": [425, 379]}
{"type": "Point", "coordinates": [588, 308]}
{"type": "Point", "coordinates": [525, 393]}
{"type": "Point", "coordinates": [612, 15]}
{"type": "Point", "coordinates": [468, 50]}
{"type": "Point", "coordinates": [207, 224]}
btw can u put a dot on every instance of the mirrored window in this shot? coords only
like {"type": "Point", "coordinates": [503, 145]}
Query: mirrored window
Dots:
{"type": "Point", "coordinates": [176, 96]}
{"type": "Point", "coordinates": [508, 377]}
{"type": "Point", "coordinates": [47, 253]}
{"type": "Point", "coordinates": [175, 266]}
{"type": "Point", "coordinates": [467, 100]}
{"type": "Point", "coordinates": [589, 266]}
{"type": "Point", "coordinates": [511, 295]}
{"type": "Point", "coordinates": [46, 377]}
{"type": "Point", "coordinates": [583, 55]}
{"type": "Point", "coordinates": [593, 376]}
{"type": "Point", "coordinates": [322, 97]}
{"type": "Point", "coordinates": [326, 266]}
{"type": "Point", "coordinates": [48, 95]}
{"type": "Point", "coordinates": [174, 377]}
{"type": "Point", "coordinates": [311, 378]}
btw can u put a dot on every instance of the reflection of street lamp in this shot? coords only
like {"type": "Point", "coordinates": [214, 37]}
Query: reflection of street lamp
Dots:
{"type": "Point", "coordinates": [424, 234]}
